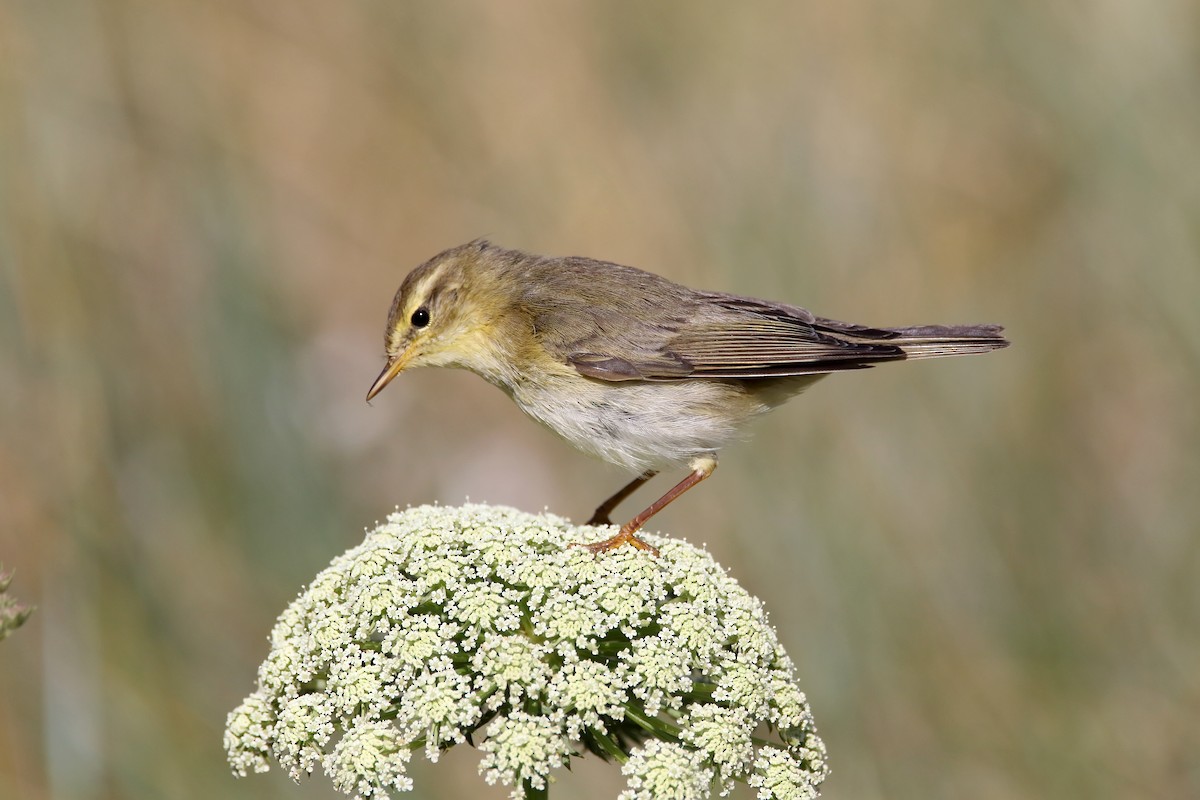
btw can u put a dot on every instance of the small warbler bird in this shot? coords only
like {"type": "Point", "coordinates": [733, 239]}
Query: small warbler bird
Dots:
{"type": "Point", "coordinates": [628, 366]}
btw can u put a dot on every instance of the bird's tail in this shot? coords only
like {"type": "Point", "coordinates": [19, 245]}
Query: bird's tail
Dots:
{"type": "Point", "coordinates": [935, 341]}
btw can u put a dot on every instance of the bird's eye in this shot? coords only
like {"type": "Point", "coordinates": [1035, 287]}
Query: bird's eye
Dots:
{"type": "Point", "coordinates": [420, 317]}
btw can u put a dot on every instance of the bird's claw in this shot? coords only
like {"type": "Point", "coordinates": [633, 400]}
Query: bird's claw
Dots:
{"type": "Point", "coordinates": [613, 542]}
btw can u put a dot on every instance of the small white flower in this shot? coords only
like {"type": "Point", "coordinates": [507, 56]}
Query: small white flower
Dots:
{"type": "Point", "coordinates": [722, 734]}
{"type": "Point", "coordinates": [536, 572]}
{"type": "Point", "coordinates": [666, 771]}
{"type": "Point", "coordinates": [523, 747]}
{"type": "Point", "coordinates": [486, 604]}
{"type": "Point", "coordinates": [482, 624]}
{"type": "Point", "coordinates": [13, 613]}
{"type": "Point", "coordinates": [420, 637]}
{"type": "Point", "coordinates": [376, 604]}
{"type": "Point", "coordinates": [662, 669]}
{"type": "Point", "coordinates": [590, 691]}
{"type": "Point", "coordinates": [438, 705]}
{"type": "Point", "coordinates": [302, 729]}
{"type": "Point", "coordinates": [744, 620]}
{"type": "Point", "coordinates": [745, 686]}
{"type": "Point", "coordinates": [696, 628]}
{"type": "Point", "coordinates": [789, 706]}
{"type": "Point", "coordinates": [512, 665]}
{"type": "Point", "coordinates": [362, 682]}
{"type": "Point", "coordinates": [778, 776]}
{"type": "Point", "coordinates": [571, 618]}
{"type": "Point", "coordinates": [284, 669]}
{"type": "Point", "coordinates": [370, 760]}
{"type": "Point", "coordinates": [248, 735]}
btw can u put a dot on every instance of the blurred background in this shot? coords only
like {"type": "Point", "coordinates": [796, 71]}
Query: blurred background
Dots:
{"type": "Point", "coordinates": [987, 570]}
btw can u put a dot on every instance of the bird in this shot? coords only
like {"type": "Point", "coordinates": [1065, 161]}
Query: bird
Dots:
{"type": "Point", "coordinates": [628, 366]}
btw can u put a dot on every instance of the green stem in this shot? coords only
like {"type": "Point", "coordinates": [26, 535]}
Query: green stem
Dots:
{"type": "Point", "coordinates": [605, 743]}
{"type": "Point", "coordinates": [656, 726]}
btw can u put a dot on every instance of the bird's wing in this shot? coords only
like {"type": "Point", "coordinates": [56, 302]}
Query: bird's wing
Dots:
{"type": "Point", "coordinates": [644, 327]}
{"type": "Point", "coordinates": [726, 336]}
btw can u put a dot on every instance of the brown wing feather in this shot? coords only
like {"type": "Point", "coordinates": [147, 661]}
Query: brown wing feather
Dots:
{"type": "Point", "coordinates": [758, 341]}
{"type": "Point", "coordinates": [731, 338]}
{"type": "Point", "coordinates": [648, 328]}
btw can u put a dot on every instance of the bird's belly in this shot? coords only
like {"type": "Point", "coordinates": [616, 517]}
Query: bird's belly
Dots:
{"type": "Point", "coordinates": [638, 425]}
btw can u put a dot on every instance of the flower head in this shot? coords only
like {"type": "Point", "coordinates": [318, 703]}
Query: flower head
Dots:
{"type": "Point", "coordinates": [12, 613]}
{"type": "Point", "coordinates": [482, 624]}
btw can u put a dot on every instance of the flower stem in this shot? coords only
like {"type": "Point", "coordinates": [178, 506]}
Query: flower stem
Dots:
{"type": "Point", "coordinates": [610, 748]}
{"type": "Point", "coordinates": [658, 727]}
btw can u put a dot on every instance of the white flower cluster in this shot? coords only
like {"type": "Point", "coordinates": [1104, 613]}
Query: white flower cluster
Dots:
{"type": "Point", "coordinates": [12, 613]}
{"type": "Point", "coordinates": [448, 622]}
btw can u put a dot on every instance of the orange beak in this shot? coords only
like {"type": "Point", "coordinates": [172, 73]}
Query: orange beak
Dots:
{"type": "Point", "coordinates": [394, 367]}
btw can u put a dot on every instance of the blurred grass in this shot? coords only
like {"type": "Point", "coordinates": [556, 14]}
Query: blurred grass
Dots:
{"type": "Point", "coordinates": [985, 569]}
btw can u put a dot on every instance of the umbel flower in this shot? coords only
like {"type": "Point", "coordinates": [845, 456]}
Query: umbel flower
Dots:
{"type": "Point", "coordinates": [12, 612]}
{"type": "Point", "coordinates": [482, 625]}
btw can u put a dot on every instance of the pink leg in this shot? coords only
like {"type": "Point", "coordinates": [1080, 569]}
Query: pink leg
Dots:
{"type": "Point", "coordinates": [606, 508]}
{"type": "Point", "coordinates": [701, 469]}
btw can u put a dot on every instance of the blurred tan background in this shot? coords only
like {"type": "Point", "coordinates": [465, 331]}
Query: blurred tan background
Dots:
{"type": "Point", "coordinates": [987, 570]}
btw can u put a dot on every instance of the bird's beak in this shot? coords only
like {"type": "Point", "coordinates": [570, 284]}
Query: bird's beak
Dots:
{"type": "Point", "coordinates": [394, 367]}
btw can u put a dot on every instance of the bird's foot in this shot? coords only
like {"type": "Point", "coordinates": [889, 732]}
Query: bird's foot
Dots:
{"type": "Point", "coordinates": [613, 542]}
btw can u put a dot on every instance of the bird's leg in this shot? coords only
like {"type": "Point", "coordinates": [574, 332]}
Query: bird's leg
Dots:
{"type": "Point", "coordinates": [701, 468]}
{"type": "Point", "coordinates": [606, 508]}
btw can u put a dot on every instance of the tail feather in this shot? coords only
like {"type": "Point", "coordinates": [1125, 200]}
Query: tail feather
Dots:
{"type": "Point", "coordinates": [936, 341]}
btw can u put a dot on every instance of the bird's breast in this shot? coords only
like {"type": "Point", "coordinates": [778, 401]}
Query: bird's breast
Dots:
{"type": "Point", "coordinates": [639, 425]}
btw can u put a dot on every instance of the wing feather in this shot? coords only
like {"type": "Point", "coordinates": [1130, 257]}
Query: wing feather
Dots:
{"type": "Point", "coordinates": [644, 327]}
